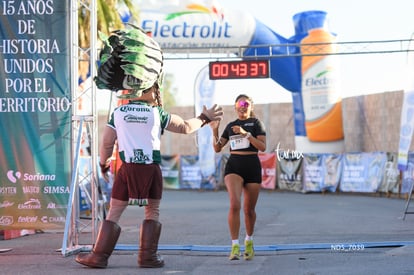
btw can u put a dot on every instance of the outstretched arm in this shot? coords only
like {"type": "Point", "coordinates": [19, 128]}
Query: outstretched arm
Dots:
{"type": "Point", "coordinates": [179, 125]}
{"type": "Point", "coordinates": [218, 142]}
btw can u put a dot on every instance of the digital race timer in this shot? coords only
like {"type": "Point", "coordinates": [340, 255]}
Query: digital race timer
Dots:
{"type": "Point", "coordinates": [239, 69]}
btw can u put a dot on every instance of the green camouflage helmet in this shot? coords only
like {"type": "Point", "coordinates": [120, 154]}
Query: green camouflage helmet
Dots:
{"type": "Point", "coordinates": [130, 60]}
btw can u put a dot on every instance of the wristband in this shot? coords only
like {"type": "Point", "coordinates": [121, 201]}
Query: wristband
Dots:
{"type": "Point", "coordinates": [218, 140]}
{"type": "Point", "coordinates": [204, 119]}
{"type": "Point", "coordinates": [104, 168]}
{"type": "Point", "coordinates": [248, 135]}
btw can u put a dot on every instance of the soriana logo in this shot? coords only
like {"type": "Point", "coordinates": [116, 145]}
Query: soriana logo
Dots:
{"type": "Point", "coordinates": [14, 176]}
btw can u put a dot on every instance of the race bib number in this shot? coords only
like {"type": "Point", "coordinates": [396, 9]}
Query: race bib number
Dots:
{"type": "Point", "coordinates": [239, 142]}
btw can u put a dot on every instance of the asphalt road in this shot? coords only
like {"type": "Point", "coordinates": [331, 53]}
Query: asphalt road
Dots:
{"type": "Point", "coordinates": [295, 234]}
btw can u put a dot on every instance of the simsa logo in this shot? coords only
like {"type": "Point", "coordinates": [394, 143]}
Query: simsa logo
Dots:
{"type": "Point", "coordinates": [56, 190]}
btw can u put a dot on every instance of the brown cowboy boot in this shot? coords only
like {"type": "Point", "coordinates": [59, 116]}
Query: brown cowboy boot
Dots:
{"type": "Point", "coordinates": [149, 237]}
{"type": "Point", "coordinates": [105, 243]}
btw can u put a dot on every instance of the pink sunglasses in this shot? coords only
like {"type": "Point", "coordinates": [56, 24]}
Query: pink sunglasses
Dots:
{"type": "Point", "coordinates": [242, 104]}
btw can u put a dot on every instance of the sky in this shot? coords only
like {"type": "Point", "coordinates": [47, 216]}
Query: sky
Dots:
{"type": "Point", "coordinates": [351, 20]}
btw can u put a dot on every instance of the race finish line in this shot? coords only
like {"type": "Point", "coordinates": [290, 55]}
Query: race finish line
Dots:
{"type": "Point", "coordinates": [340, 247]}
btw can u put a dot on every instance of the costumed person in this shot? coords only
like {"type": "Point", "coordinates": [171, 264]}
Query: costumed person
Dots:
{"type": "Point", "coordinates": [133, 61]}
{"type": "Point", "coordinates": [243, 171]}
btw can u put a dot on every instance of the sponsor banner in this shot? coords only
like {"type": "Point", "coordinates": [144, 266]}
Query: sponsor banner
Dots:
{"type": "Point", "coordinates": [408, 175]}
{"type": "Point", "coordinates": [321, 172]}
{"type": "Point", "coordinates": [407, 112]}
{"type": "Point", "coordinates": [355, 172]}
{"type": "Point", "coordinates": [319, 104]}
{"type": "Point", "coordinates": [35, 109]}
{"type": "Point", "coordinates": [289, 167]}
{"type": "Point", "coordinates": [84, 184]}
{"type": "Point", "coordinates": [214, 181]}
{"type": "Point", "coordinates": [375, 170]}
{"type": "Point", "coordinates": [312, 173]}
{"type": "Point", "coordinates": [85, 175]}
{"type": "Point", "coordinates": [186, 25]}
{"type": "Point", "coordinates": [362, 172]}
{"type": "Point", "coordinates": [406, 129]}
{"type": "Point", "coordinates": [190, 172]}
{"type": "Point", "coordinates": [221, 165]}
{"type": "Point", "coordinates": [204, 95]}
{"type": "Point", "coordinates": [268, 162]}
{"type": "Point", "coordinates": [332, 169]}
{"type": "Point", "coordinates": [170, 168]}
{"type": "Point", "coordinates": [391, 179]}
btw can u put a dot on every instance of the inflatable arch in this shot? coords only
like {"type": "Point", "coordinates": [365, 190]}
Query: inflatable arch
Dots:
{"type": "Point", "coordinates": [312, 80]}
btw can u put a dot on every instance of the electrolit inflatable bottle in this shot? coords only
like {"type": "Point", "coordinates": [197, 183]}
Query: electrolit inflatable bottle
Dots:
{"type": "Point", "coordinates": [320, 82]}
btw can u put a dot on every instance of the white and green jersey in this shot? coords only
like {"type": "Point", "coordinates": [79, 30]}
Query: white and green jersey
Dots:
{"type": "Point", "coordinates": [138, 127]}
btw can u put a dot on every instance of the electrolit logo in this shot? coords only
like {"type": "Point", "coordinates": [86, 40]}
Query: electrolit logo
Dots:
{"type": "Point", "coordinates": [320, 92]}
{"type": "Point", "coordinates": [186, 29]}
{"type": "Point", "coordinates": [320, 79]}
{"type": "Point", "coordinates": [196, 26]}
{"type": "Point", "coordinates": [196, 8]}
{"type": "Point", "coordinates": [13, 176]}
{"type": "Point", "coordinates": [30, 204]}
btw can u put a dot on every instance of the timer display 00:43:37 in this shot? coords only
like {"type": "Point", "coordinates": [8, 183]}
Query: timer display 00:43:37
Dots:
{"type": "Point", "coordinates": [239, 69]}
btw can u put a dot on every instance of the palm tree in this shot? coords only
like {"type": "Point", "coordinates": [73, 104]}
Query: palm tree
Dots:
{"type": "Point", "coordinates": [108, 20]}
{"type": "Point", "coordinates": [107, 16]}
